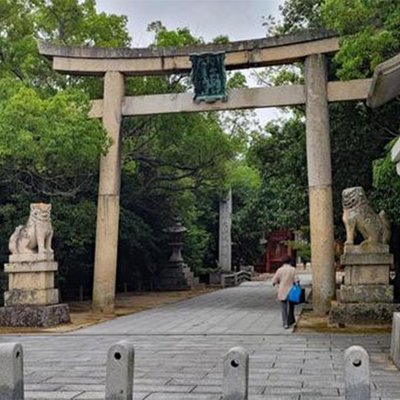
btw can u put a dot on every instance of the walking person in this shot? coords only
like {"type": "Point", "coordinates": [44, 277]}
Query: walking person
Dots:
{"type": "Point", "coordinates": [285, 277]}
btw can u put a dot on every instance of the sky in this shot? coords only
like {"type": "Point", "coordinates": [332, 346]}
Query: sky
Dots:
{"type": "Point", "coordinates": [238, 19]}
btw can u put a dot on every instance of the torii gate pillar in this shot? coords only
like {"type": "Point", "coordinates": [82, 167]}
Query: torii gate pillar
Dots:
{"type": "Point", "coordinates": [105, 264]}
{"type": "Point", "coordinates": [319, 183]}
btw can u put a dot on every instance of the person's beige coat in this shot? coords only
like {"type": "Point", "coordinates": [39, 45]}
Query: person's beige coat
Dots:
{"type": "Point", "coordinates": [284, 276]}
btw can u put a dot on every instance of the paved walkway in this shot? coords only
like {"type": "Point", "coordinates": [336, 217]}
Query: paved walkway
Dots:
{"type": "Point", "coordinates": [179, 348]}
{"type": "Point", "coordinates": [249, 309]}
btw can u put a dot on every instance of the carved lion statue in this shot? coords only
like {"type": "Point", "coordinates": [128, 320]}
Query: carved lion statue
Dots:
{"type": "Point", "coordinates": [358, 215]}
{"type": "Point", "coordinates": [36, 235]}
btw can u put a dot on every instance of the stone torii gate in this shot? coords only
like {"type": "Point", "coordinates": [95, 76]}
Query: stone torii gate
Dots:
{"type": "Point", "coordinates": [115, 64]}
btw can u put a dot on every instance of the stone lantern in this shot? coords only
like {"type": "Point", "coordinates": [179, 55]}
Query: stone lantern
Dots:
{"type": "Point", "coordinates": [176, 232]}
{"type": "Point", "coordinates": [176, 275]}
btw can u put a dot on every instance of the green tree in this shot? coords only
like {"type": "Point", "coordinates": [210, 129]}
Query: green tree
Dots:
{"type": "Point", "coordinates": [175, 165]}
{"type": "Point", "coordinates": [284, 187]}
{"type": "Point", "coordinates": [49, 148]}
{"type": "Point", "coordinates": [369, 33]}
{"type": "Point", "coordinates": [358, 134]}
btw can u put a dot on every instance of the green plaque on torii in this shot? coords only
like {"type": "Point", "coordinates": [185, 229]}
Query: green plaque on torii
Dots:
{"type": "Point", "coordinates": [209, 77]}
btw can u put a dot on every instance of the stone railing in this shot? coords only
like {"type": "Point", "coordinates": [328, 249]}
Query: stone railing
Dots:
{"type": "Point", "coordinates": [235, 278]}
{"type": "Point", "coordinates": [120, 373]}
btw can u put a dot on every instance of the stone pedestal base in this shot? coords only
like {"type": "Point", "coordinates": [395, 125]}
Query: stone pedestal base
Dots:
{"type": "Point", "coordinates": [365, 298]}
{"type": "Point", "coordinates": [32, 299]}
{"type": "Point", "coordinates": [177, 276]}
{"type": "Point", "coordinates": [17, 297]}
{"type": "Point", "coordinates": [31, 280]}
{"type": "Point", "coordinates": [34, 316]}
{"type": "Point", "coordinates": [362, 313]}
{"type": "Point", "coordinates": [366, 274]}
{"type": "Point", "coordinates": [366, 294]}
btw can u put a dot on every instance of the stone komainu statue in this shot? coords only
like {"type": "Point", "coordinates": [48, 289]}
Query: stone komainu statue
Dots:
{"type": "Point", "coordinates": [358, 215]}
{"type": "Point", "coordinates": [36, 235]}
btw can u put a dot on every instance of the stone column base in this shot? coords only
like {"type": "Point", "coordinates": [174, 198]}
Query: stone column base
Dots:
{"type": "Point", "coordinates": [362, 313]}
{"type": "Point", "coordinates": [34, 316]}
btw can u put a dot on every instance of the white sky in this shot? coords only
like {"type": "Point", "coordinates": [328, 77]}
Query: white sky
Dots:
{"type": "Point", "coordinates": [238, 19]}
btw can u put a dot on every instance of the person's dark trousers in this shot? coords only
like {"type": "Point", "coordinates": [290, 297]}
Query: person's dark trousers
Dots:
{"type": "Point", "coordinates": [287, 312]}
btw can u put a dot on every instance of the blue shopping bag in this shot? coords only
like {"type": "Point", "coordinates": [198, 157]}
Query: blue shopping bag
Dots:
{"type": "Point", "coordinates": [295, 293]}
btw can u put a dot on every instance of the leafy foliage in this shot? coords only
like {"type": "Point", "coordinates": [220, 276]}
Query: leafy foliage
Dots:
{"type": "Point", "coordinates": [369, 33]}
{"type": "Point", "coordinates": [280, 200]}
{"type": "Point", "coordinates": [358, 134]}
{"type": "Point", "coordinates": [49, 148]}
{"type": "Point", "coordinates": [298, 15]}
{"type": "Point", "coordinates": [48, 145]}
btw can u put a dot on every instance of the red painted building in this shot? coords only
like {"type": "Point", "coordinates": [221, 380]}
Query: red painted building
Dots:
{"type": "Point", "coordinates": [277, 249]}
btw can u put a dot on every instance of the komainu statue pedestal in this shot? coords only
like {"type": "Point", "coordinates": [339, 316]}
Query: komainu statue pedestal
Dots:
{"type": "Point", "coordinates": [366, 297]}
{"type": "Point", "coordinates": [31, 299]}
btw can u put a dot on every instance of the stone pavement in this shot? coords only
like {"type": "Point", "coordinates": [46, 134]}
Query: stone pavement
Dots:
{"type": "Point", "coordinates": [179, 348]}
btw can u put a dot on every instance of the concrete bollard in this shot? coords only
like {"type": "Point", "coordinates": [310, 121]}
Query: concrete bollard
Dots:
{"type": "Point", "coordinates": [236, 375]}
{"type": "Point", "coordinates": [120, 365]}
{"type": "Point", "coordinates": [11, 372]}
{"type": "Point", "coordinates": [356, 374]}
{"type": "Point", "coordinates": [395, 341]}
